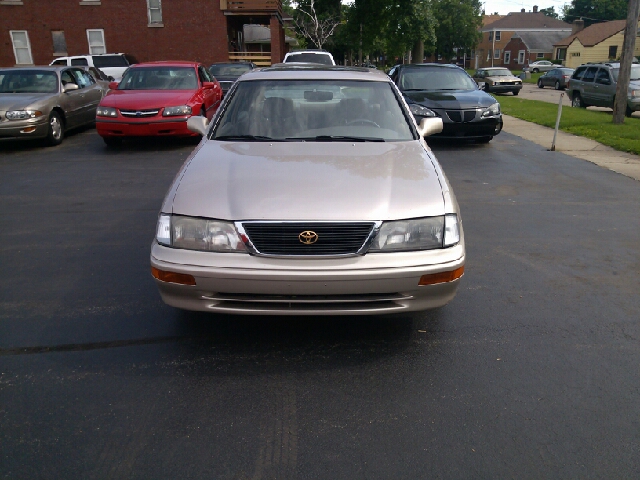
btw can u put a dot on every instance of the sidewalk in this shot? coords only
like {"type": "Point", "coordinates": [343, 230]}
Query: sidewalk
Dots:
{"type": "Point", "coordinates": [580, 147]}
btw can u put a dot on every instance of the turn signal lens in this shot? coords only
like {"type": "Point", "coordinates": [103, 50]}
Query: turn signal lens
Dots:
{"type": "Point", "coordinates": [442, 277]}
{"type": "Point", "coordinates": [173, 277]}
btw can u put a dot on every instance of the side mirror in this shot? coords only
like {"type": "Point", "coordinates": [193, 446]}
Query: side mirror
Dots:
{"type": "Point", "coordinates": [429, 126]}
{"type": "Point", "coordinates": [70, 87]}
{"type": "Point", "coordinates": [113, 85]}
{"type": "Point", "coordinates": [209, 85]}
{"type": "Point", "coordinates": [198, 124]}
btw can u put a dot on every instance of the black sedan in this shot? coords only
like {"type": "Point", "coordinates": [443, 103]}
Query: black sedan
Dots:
{"type": "Point", "coordinates": [556, 78]}
{"type": "Point", "coordinates": [228, 73]}
{"type": "Point", "coordinates": [448, 92]}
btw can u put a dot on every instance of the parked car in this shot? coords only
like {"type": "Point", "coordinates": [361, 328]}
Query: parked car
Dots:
{"type": "Point", "coordinates": [100, 78]}
{"type": "Point", "coordinates": [156, 99]}
{"type": "Point", "coordinates": [112, 64]}
{"type": "Point", "coordinates": [446, 91]}
{"type": "Point", "coordinates": [45, 102]}
{"type": "Point", "coordinates": [557, 78]}
{"type": "Point", "coordinates": [595, 85]}
{"type": "Point", "coordinates": [309, 56]}
{"type": "Point", "coordinates": [312, 192]}
{"type": "Point", "coordinates": [227, 73]}
{"type": "Point", "coordinates": [498, 80]}
{"type": "Point", "coordinates": [541, 66]}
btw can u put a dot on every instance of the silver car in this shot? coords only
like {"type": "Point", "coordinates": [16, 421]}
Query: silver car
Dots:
{"type": "Point", "coordinates": [44, 102]}
{"type": "Point", "coordinates": [312, 192]}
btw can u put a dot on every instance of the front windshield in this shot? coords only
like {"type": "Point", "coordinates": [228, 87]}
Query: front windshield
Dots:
{"type": "Point", "coordinates": [499, 72]}
{"type": "Point", "coordinates": [159, 78]}
{"type": "Point", "coordinates": [436, 79]}
{"type": "Point", "coordinates": [313, 110]}
{"type": "Point", "coordinates": [28, 81]}
{"type": "Point", "coordinates": [229, 70]}
{"type": "Point", "coordinates": [635, 73]}
{"type": "Point", "coordinates": [322, 58]}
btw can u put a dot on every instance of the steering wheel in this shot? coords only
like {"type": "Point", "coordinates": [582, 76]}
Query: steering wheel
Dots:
{"type": "Point", "coordinates": [363, 121]}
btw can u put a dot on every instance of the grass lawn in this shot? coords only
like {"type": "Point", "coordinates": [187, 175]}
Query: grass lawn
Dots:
{"type": "Point", "coordinates": [586, 123]}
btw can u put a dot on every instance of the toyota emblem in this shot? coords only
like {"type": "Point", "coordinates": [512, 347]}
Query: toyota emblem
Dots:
{"type": "Point", "coordinates": [308, 237]}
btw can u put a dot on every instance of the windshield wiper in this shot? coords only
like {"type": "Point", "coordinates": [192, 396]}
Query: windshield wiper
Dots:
{"type": "Point", "coordinates": [251, 138]}
{"type": "Point", "coordinates": [334, 138]}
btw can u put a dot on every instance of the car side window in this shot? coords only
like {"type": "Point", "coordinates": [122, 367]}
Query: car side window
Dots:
{"type": "Point", "coordinates": [590, 74]}
{"type": "Point", "coordinates": [79, 62]}
{"type": "Point", "coordinates": [201, 75]}
{"type": "Point", "coordinates": [602, 77]}
{"type": "Point", "coordinates": [81, 79]}
{"type": "Point", "coordinates": [577, 75]}
{"type": "Point", "coordinates": [59, 62]}
{"type": "Point", "coordinates": [66, 77]}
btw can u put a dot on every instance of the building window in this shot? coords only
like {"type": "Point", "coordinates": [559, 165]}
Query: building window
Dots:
{"type": "Point", "coordinates": [154, 9]}
{"type": "Point", "coordinates": [540, 55]}
{"type": "Point", "coordinates": [521, 57]}
{"type": "Point", "coordinates": [497, 36]}
{"type": "Point", "coordinates": [613, 51]}
{"type": "Point", "coordinates": [496, 53]}
{"type": "Point", "coordinates": [96, 42]}
{"type": "Point", "coordinates": [59, 43]}
{"type": "Point", "coordinates": [575, 54]}
{"type": "Point", "coordinates": [21, 47]}
{"type": "Point", "coordinates": [507, 57]}
{"type": "Point", "coordinates": [561, 53]}
{"type": "Point", "coordinates": [490, 36]}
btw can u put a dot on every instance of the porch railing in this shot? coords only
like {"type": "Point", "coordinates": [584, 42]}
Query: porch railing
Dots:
{"type": "Point", "coordinates": [259, 58]}
{"type": "Point", "coordinates": [240, 7]}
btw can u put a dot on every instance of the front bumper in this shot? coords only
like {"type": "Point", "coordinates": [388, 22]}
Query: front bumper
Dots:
{"type": "Point", "coordinates": [477, 128]}
{"type": "Point", "coordinates": [24, 129]}
{"type": "Point", "coordinates": [371, 284]}
{"type": "Point", "coordinates": [502, 88]}
{"type": "Point", "coordinates": [132, 127]}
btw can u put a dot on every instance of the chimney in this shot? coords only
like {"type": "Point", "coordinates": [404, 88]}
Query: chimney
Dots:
{"type": "Point", "coordinates": [522, 11]}
{"type": "Point", "coordinates": [535, 9]}
{"type": "Point", "coordinates": [577, 25]}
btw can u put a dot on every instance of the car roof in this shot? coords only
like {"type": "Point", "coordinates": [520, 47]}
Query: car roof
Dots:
{"type": "Point", "coordinates": [493, 68]}
{"type": "Point", "coordinates": [88, 55]}
{"type": "Point", "coordinates": [167, 63]}
{"type": "Point", "coordinates": [53, 68]}
{"type": "Point", "coordinates": [313, 71]}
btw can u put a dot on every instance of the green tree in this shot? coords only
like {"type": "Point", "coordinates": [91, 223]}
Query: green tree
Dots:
{"type": "Point", "coordinates": [458, 25]}
{"type": "Point", "coordinates": [594, 11]}
{"type": "Point", "coordinates": [550, 12]}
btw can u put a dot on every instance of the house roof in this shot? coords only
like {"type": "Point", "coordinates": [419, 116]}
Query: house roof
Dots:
{"type": "Point", "coordinates": [594, 34]}
{"type": "Point", "coordinates": [540, 42]}
{"type": "Point", "coordinates": [525, 20]}
{"type": "Point", "coordinates": [487, 19]}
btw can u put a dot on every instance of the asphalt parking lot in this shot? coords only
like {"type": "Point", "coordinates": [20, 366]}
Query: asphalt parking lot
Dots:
{"type": "Point", "coordinates": [531, 371]}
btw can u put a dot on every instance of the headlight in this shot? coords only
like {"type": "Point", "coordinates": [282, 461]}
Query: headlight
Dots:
{"type": "Point", "coordinates": [198, 234]}
{"type": "Point", "coordinates": [634, 93]}
{"type": "Point", "coordinates": [418, 234]}
{"type": "Point", "coordinates": [421, 111]}
{"type": "Point", "coordinates": [106, 112]}
{"type": "Point", "coordinates": [173, 111]}
{"type": "Point", "coordinates": [23, 114]}
{"type": "Point", "coordinates": [496, 83]}
{"type": "Point", "coordinates": [492, 111]}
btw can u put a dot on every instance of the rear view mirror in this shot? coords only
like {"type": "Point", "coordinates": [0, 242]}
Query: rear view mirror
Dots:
{"type": "Point", "coordinates": [429, 126]}
{"type": "Point", "coordinates": [198, 124]}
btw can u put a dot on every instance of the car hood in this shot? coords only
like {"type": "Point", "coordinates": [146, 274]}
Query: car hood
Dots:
{"type": "Point", "coordinates": [454, 100]}
{"type": "Point", "coordinates": [145, 99]}
{"type": "Point", "coordinates": [286, 181]}
{"type": "Point", "coordinates": [18, 101]}
{"type": "Point", "coordinates": [502, 78]}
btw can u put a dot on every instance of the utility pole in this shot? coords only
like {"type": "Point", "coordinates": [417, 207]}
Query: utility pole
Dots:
{"type": "Point", "coordinates": [360, 48]}
{"type": "Point", "coordinates": [628, 47]}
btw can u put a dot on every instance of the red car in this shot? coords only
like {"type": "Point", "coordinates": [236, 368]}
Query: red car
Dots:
{"type": "Point", "coordinates": [156, 99]}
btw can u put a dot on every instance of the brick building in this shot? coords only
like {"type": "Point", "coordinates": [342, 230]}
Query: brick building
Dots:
{"type": "Point", "coordinates": [35, 32]}
{"type": "Point", "coordinates": [525, 48]}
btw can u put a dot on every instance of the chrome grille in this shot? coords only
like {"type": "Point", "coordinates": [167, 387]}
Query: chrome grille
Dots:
{"type": "Point", "coordinates": [459, 116]}
{"type": "Point", "coordinates": [283, 239]}
{"type": "Point", "coordinates": [139, 113]}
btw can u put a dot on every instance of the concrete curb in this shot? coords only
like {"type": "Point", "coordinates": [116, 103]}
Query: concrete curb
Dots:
{"type": "Point", "coordinates": [626, 164]}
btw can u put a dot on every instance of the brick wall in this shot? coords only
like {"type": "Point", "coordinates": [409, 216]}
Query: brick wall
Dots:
{"type": "Point", "coordinates": [193, 29]}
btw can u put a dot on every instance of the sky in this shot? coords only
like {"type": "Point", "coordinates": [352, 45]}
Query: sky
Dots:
{"type": "Point", "coordinates": [505, 6]}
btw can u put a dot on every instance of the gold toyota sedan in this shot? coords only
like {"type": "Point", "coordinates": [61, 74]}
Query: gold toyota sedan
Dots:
{"type": "Point", "coordinates": [45, 102]}
{"type": "Point", "coordinates": [312, 192]}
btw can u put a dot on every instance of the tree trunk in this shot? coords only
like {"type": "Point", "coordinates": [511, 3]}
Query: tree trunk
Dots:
{"type": "Point", "coordinates": [417, 53]}
{"type": "Point", "coordinates": [628, 47]}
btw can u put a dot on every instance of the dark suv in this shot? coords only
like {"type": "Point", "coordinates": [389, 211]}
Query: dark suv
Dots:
{"type": "Point", "coordinates": [595, 85]}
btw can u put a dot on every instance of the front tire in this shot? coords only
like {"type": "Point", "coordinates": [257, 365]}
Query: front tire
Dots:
{"type": "Point", "coordinates": [577, 102]}
{"type": "Point", "coordinates": [628, 112]}
{"type": "Point", "coordinates": [516, 92]}
{"type": "Point", "coordinates": [55, 135]}
{"type": "Point", "coordinates": [484, 140]}
{"type": "Point", "coordinates": [540, 85]}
